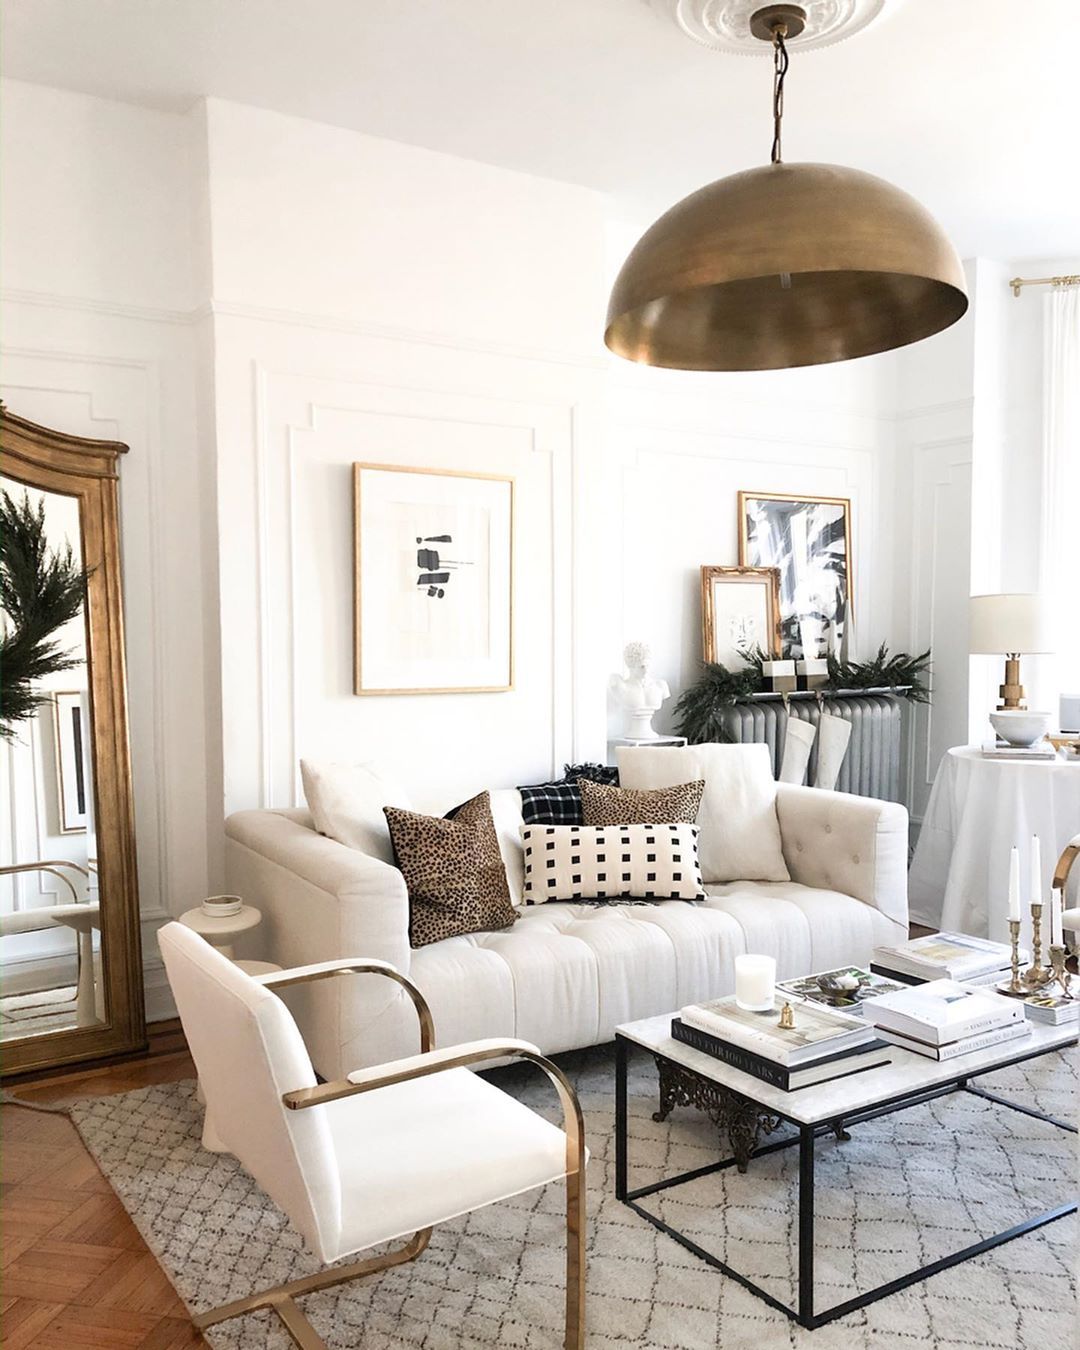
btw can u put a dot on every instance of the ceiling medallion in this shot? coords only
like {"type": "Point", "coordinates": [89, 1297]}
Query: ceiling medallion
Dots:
{"type": "Point", "coordinates": [724, 25]}
{"type": "Point", "coordinates": [786, 264]}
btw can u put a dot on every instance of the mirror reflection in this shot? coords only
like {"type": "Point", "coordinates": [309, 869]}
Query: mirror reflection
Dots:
{"type": "Point", "coordinates": [50, 926]}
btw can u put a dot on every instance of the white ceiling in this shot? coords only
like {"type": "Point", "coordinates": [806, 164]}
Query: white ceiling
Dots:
{"type": "Point", "coordinates": [966, 103]}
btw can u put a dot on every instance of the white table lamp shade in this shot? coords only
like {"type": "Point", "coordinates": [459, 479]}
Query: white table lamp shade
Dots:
{"type": "Point", "coordinates": [1009, 623]}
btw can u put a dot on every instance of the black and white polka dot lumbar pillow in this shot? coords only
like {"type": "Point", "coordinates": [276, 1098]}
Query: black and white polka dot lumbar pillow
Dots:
{"type": "Point", "coordinates": [611, 862]}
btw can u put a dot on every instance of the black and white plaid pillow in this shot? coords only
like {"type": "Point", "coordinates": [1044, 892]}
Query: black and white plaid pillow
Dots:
{"type": "Point", "coordinates": [551, 804]}
{"type": "Point", "coordinates": [559, 803]}
{"type": "Point", "coordinates": [611, 862]}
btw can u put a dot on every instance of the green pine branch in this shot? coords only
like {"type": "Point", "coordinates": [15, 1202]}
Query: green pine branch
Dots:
{"type": "Point", "coordinates": [41, 589]}
{"type": "Point", "coordinates": [699, 713]}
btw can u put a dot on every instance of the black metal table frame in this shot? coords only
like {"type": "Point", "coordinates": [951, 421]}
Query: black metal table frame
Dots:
{"type": "Point", "coordinates": [805, 1139]}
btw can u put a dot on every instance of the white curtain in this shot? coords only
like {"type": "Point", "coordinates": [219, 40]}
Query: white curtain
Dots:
{"type": "Point", "coordinates": [1060, 534]}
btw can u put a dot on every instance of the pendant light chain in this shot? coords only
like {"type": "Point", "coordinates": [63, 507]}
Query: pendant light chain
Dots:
{"type": "Point", "coordinates": [780, 65]}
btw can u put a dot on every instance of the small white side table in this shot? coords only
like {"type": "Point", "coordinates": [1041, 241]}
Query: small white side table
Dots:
{"type": "Point", "coordinates": [221, 931]}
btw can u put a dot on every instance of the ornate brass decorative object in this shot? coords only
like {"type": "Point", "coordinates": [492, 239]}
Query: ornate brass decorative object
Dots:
{"type": "Point", "coordinates": [1036, 974]}
{"type": "Point", "coordinates": [787, 1018]}
{"type": "Point", "coordinates": [743, 1120]}
{"type": "Point", "coordinates": [784, 265]}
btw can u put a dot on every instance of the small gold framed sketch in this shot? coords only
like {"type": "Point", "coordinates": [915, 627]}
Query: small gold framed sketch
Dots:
{"type": "Point", "coordinates": [434, 581]}
{"type": "Point", "coordinates": [740, 610]}
{"type": "Point", "coordinates": [809, 540]}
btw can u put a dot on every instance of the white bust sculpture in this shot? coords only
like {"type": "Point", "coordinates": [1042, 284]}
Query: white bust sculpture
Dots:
{"type": "Point", "coordinates": [638, 693]}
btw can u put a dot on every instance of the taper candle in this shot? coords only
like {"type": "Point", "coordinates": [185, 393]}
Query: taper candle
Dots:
{"type": "Point", "coordinates": [1056, 937]}
{"type": "Point", "coordinates": [1014, 883]}
{"type": "Point", "coordinates": [1036, 871]}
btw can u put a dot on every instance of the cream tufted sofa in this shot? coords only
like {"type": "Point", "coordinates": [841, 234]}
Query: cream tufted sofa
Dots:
{"type": "Point", "coordinates": [564, 975]}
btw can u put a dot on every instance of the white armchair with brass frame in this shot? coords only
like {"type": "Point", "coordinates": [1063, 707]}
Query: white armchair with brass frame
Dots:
{"type": "Point", "coordinates": [388, 1151]}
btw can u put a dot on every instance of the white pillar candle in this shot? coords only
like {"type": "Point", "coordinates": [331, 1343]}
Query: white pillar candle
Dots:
{"type": "Point", "coordinates": [1056, 937]}
{"type": "Point", "coordinates": [1036, 871]}
{"type": "Point", "coordinates": [1014, 883]}
{"type": "Point", "coordinates": [755, 982]}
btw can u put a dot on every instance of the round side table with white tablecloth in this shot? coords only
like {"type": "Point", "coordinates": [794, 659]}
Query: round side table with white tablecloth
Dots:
{"type": "Point", "coordinates": [978, 809]}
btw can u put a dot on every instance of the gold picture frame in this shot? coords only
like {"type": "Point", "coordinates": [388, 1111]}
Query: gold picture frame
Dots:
{"type": "Point", "coordinates": [382, 687]}
{"type": "Point", "coordinates": [781, 556]}
{"type": "Point", "coordinates": [764, 579]}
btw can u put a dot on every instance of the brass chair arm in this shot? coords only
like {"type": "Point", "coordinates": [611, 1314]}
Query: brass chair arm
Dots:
{"type": "Point", "coordinates": [329, 969]}
{"type": "Point", "coordinates": [49, 865]}
{"type": "Point", "coordinates": [456, 1057]}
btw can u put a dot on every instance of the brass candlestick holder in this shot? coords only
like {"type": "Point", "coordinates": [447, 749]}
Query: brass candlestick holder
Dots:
{"type": "Point", "coordinates": [1036, 974]}
{"type": "Point", "coordinates": [1015, 986]}
{"type": "Point", "coordinates": [1057, 968]}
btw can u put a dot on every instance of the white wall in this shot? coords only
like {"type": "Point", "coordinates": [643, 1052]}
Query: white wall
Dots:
{"type": "Point", "coordinates": [98, 341]}
{"type": "Point", "coordinates": [400, 307]}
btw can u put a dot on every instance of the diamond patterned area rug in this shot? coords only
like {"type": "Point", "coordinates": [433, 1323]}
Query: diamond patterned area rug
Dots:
{"type": "Point", "coordinates": [905, 1189]}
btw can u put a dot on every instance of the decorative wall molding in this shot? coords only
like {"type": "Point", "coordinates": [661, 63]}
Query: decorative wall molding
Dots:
{"type": "Point", "coordinates": [287, 408]}
{"type": "Point", "coordinates": [935, 465]}
{"type": "Point", "coordinates": [327, 323]}
{"type": "Point", "coordinates": [105, 308]}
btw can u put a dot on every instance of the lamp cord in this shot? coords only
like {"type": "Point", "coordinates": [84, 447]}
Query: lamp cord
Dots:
{"type": "Point", "coordinates": [780, 65]}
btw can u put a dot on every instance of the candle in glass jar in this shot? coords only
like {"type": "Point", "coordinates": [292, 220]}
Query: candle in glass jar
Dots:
{"type": "Point", "coordinates": [755, 981]}
{"type": "Point", "coordinates": [1036, 871]}
{"type": "Point", "coordinates": [1014, 883]}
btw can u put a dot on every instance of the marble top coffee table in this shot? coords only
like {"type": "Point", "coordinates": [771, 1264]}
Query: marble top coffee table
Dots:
{"type": "Point", "coordinates": [747, 1109]}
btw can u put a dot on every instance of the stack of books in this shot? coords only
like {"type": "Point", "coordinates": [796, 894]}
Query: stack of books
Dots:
{"type": "Point", "coordinates": [942, 1019]}
{"type": "Point", "coordinates": [1041, 750]}
{"type": "Point", "coordinates": [945, 956]}
{"type": "Point", "coordinates": [822, 1044]}
{"type": "Point", "coordinates": [1053, 1009]}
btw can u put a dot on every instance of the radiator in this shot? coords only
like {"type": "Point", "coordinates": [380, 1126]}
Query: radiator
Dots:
{"type": "Point", "coordinates": [871, 766]}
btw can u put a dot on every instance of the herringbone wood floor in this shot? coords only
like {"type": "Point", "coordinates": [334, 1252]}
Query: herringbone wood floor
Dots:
{"type": "Point", "coordinates": [76, 1275]}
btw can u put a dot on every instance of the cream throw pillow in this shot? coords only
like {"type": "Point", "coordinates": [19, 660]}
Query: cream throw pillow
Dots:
{"type": "Point", "coordinates": [740, 831]}
{"type": "Point", "coordinates": [346, 802]}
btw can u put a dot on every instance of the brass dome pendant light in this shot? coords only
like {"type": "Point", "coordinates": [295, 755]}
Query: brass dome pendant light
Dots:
{"type": "Point", "coordinates": [784, 265]}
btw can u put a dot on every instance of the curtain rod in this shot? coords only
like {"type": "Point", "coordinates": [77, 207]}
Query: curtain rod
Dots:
{"type": "Point", "coordinates": [1017, 282]}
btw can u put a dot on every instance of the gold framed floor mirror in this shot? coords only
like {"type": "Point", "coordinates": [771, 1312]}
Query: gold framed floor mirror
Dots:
{"type": "Point", "coordinates": [70, 959]}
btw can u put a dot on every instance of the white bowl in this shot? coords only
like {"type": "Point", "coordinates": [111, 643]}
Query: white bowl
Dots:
{"type": "Point", "coordinates": [1020, 726]}
{"type": "Point", "coordinates": [222, 906]}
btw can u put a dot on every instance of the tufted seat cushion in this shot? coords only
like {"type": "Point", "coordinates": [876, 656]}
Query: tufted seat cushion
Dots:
{"type": "Point", "coordinates": [568, 974]}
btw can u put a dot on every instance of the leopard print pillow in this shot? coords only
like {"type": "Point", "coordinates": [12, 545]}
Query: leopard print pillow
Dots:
{"type": "Point", "coordinates": [454, 871]}
{"type": "Point", "coordinates": [602, 805]}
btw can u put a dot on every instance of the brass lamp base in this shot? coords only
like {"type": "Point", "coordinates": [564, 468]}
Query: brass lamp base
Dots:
{"type": "Point", "coordinates": [1012, 692]}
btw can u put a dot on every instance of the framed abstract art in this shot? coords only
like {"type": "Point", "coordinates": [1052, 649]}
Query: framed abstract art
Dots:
{"type": "Point", "coordinates": [809, 540]}
{"type": "Point", "coordinates": [740, 611]}
{"type": "Point", "coordinates": [433, 565]}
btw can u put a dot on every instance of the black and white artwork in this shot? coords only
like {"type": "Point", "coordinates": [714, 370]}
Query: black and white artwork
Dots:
{"type": "Point", "coordinates": [808, 539]}
{"type": "Point", "coordinates": [72, 761]}
{"type": "Point", "coordinates": [433, 566]}
{"type": "Point", "coordinates": [433, 557]}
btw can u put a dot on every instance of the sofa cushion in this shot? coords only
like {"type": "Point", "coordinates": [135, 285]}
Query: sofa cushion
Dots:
{"type": "Point", "coordinates": [454, 871]}
{"type": "Point", "coordinates": [607, 862]}
{"type": "Point", "coordinates": [740, 831]}
{"type": "Point", "coordinates": [602, 805]}
{"type": "Point", "coordinates": [346, 803]}
{"type": "Point", "coordinates": [566, 975]}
